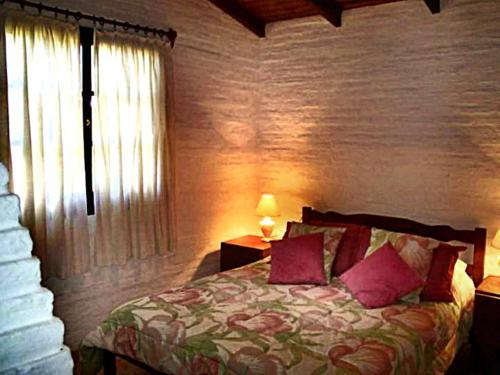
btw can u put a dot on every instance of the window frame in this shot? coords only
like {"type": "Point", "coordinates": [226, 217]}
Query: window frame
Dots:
{"type": "Point", "coordinates": [86, 43]}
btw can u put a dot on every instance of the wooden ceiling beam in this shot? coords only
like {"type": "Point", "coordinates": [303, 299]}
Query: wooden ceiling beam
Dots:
{"type": "Point", "coordinates": [243, 16]}
{"type": "Point", "coordinates": [330, 9]}
{"type": "Point", "coordinates": [433, 5]}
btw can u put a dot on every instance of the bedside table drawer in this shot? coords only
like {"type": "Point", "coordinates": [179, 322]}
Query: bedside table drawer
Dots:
{"type": "Point", "coordinates": [487, 320]}
{"type": "Point", "coordinates": [485, 334]}
{"type": "Point", "coordinates": [237, 256]}
{"type": "Point", "coordinates": [242, 251]}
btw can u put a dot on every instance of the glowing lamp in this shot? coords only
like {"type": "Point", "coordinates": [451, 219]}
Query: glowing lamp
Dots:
{"type": "Point", "coordinates": [496, 240]}
{"type": "Point", "coordinates": [267, 208]}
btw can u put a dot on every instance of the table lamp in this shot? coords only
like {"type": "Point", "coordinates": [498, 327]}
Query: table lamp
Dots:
{"type": "Point", "coordinates": [267, 208]}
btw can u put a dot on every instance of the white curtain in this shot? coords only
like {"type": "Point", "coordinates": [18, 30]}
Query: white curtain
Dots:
{"type": "Point", "coordinates": [131, 149]}
{"type": "Point", "coordinates": [46, 143]}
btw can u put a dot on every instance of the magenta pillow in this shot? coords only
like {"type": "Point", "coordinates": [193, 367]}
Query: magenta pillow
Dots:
{"type": "Point", "coordinates": [438, 284]}
{"type": "Point", "coordinates": [298, 260]}
{"type": "Point", "coordinates": [381, 278]}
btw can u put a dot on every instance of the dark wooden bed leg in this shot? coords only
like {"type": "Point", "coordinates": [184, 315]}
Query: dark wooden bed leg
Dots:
{"type": "Point", "coordinates": [109, 363]}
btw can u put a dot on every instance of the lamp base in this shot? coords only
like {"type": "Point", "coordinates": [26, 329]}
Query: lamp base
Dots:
{"type": "Point", "coordinates": [267, 239]}
{"type": "Point", "coordinates": [267, 227]}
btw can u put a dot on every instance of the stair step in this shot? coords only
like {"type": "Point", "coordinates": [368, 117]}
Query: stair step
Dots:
{"type": "Point", "coordinates": [15, 243]}
{"type": "Point", "coordinates": [4, 179]}
{"type": "Point", "coordinates": [56, 364]}
{"type": "Point", "coordinates": [19, 277]}
{"type": "Point", "coordinates": [25, 310]}
{"type": "Point", "coordinates": [9, 211]}
{"type": "Point", "coordinates": [30, 343]}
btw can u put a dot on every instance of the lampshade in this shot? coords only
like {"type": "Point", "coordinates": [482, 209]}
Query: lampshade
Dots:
{"type": "Point", "coordinates": [496, 240]}
{"type": "Point", "coordinates": [267, 206]}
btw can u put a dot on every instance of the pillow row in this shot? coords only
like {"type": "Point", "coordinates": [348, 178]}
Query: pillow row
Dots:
{"type": "Point", "coordinates": [361, 256]}
{"type": "Point", "coordinates": [423, 255]}
{"type": "Point", "coordinates": [344, 244]}
{"type": "Point", "coordinates": [384, 276]}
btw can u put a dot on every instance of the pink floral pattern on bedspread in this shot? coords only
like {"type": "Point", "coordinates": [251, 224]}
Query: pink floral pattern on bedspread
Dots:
{"type": "Point", "coordinates": [235, 323]}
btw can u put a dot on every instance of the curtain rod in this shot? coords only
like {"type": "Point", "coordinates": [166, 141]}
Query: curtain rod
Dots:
{"type": "Point", "coordinates": [170, 33]}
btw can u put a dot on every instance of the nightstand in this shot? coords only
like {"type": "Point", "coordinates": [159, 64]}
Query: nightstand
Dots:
{"type": "Point", "coordinates": [485, 336]}
{"type": "Point", "coordinates": [242, 251]}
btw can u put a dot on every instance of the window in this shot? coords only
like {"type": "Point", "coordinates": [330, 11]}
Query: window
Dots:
{"type": "Point", "coordinates": [115, 168]}
{"type": "Point", "coordinates": [44, 104]}
{"type": "Point", "coordinates": [130, 148]}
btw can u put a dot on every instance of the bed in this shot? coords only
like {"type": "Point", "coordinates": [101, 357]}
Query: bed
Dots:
{"type": "Point", "coordinates": [234, 322]}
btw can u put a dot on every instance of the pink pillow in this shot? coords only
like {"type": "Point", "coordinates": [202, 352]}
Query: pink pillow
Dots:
{"type": "Point", "coordinates": [331, 240]}
{"type": "Point", "coordinates": [381, 278]}
{"type": "Point", "coordinates": [298, 260]}
{"type": "Point", "coordinates": [438, 284]}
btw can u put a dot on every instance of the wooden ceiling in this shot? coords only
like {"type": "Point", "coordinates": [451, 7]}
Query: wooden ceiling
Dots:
{"type": "Point", "coordinates": [255, 14]}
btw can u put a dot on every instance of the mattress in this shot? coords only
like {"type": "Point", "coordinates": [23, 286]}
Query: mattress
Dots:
{"type": "Point", "coordinates": [234, 322]}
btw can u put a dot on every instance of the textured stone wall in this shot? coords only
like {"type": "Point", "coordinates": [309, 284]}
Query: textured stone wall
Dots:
{"type": "Point", "coordinates": [214, 80]}
{"type": "Point", "coordinates": [31, 337]}
{"type": "Point", "coordinates": [397, 112]}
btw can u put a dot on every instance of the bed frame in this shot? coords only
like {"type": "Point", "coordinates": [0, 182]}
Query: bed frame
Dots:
{"type": "Point", "coordinates": [394, 224]}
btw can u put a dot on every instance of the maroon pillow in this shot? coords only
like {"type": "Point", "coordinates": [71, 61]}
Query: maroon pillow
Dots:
{"type": "Point", "coordinates": [352, 248]}
{"type": "Point", "coordinates": [381, 278]}
{"type": "Point", "coordinates": [438, 284]}
{"type": "Point", "coordinates": [298, 260]}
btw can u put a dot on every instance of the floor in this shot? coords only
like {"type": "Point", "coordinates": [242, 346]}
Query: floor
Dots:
{"type": "Point", "coordinates": [122, 367]}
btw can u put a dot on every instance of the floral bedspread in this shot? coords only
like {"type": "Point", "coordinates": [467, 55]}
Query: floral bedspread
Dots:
{"type": "Point", "coordinates": [235, 323]}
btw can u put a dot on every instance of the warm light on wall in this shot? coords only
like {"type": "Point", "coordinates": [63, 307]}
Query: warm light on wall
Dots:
{"type": "Point", "coordinates": [492, 258]}
{"type": "Point", "coordinates": [267, 208]}
{"type": "Point", "coordinates": [496, 240]}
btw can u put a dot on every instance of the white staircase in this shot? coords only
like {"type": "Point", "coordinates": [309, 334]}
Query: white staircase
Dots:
{"type": "Point", "coordinates": [31, 338]}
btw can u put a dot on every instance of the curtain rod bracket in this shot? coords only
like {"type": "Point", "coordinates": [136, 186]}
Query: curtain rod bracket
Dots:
{"type": "Point", "coordinates": [172, 36]}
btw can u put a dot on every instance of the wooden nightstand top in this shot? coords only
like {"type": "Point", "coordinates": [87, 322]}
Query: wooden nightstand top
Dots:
{"type": "Point", "coordinates": [490, 286]}
{"type": "Point", "coordinates": [250, 241]}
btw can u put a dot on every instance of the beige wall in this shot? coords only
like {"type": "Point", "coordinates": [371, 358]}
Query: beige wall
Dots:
{"type": "Point", "coordinates": [214, 69]}
{"type": "Point", "coordinates": [397, 112]}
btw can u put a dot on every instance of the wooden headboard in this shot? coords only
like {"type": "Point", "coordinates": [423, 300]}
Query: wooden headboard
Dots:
{"type": "Point", "coordinates": [439, 232]}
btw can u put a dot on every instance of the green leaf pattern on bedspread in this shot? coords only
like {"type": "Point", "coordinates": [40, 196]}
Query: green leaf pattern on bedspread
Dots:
{"type": "Point", "coordinates": [236, 323]}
